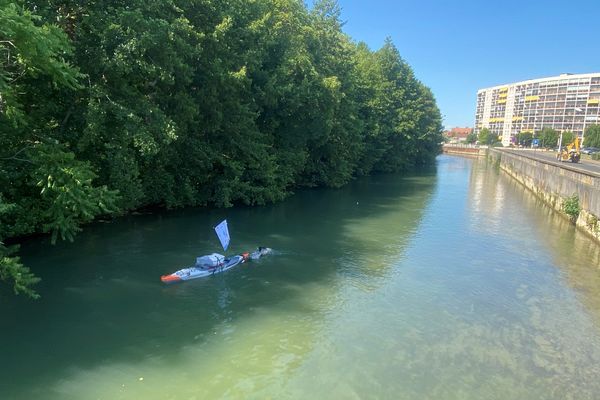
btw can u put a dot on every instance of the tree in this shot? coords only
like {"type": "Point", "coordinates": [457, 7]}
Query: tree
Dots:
{"type": "Point", "coordinates": [524, 138]}
{"type": "Point", "coordinates": [485, 136]}
{"type": "Point", "coordinates": [334, 152]}
{"type": "Point", "coordinates": [28, 51]}
{"type": "Point", "coordinates": [43, 187]}
{"type": "Point", "coordinates": [410, 128]}
{"type": "Point", "coordinates": [567, 137]}
{"type": "Point", "coordinates": [471, 138]}
{"type": "Point", "coordinates": [592, 136]}
{"type": "Point", "coordinates": [11, 269]}
{"type": "Point", "coordinates": [178, 103]}
{"type": "Point", "coordinates": [548, 137]}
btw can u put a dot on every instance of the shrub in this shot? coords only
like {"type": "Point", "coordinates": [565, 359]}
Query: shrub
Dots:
{"type": "Point", "coordinates": [571, 207]}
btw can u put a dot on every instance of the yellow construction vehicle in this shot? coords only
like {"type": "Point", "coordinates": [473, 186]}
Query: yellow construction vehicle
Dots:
{"type": "Point", "coordinates": [570, 152]}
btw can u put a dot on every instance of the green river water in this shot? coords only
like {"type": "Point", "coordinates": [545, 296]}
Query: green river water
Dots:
{"type": "Point", "coordinates": [451, 284]}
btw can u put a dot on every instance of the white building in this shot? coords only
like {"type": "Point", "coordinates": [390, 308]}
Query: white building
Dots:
{"type": "Point", "coordinates": [566, 103]}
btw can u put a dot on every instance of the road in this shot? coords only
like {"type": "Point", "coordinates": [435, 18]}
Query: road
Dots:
{"type": "Point", "coordinates": [585, 165]}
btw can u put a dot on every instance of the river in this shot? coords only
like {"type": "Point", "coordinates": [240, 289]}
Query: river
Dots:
{"type": "Point", "coordinates": [454, 283]}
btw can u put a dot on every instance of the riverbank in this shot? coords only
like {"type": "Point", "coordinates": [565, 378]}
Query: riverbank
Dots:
{"type": "Point", "coordinates": [572, 192]}
{"type": "Point", "coordinates": [465, 149]}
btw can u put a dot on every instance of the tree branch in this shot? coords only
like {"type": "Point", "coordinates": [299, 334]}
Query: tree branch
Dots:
{"type": "Point", "coordinates": [14, 156]}
{"type": "Point", "coordinates": [16, 159]}
{"type": "Point", "coordinates": [8, 42]}
{"type": "Point", "coordinates": [66, 118]}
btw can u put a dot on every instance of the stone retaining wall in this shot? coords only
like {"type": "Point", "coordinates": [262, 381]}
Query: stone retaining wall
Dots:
{"type": "Point", "coordinates": [464, 150]}
{"type": "Point", "coordinates": [554, 183]}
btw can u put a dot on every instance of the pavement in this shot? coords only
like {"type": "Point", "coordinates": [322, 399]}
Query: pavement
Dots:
{"type": "Point", "coordinates": [585, 165]}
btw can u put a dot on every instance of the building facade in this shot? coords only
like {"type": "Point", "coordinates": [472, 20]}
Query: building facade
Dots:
{"type": "Point", "coordinates": [457, 135]}
{"type": "Point", "coordinates": [566, 103]}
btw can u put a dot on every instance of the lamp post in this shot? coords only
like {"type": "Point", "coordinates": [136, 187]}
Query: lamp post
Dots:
{"type": "Point", "coordinates": [559, 155]}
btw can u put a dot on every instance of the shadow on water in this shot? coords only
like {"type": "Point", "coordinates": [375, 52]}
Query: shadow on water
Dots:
{"type": "Point", "coordinates": [102, 301]}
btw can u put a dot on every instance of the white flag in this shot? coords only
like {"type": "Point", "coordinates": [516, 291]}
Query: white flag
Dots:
{"type": "Point", "coordinates": [223, 234]}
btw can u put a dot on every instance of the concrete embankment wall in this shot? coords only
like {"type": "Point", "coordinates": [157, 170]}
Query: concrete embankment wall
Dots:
{"type": "Point", "coordinates": [464, 150]}
{"type": "Point", "coordinates": [555, 182]}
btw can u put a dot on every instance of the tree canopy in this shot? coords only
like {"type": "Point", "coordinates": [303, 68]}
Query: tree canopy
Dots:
{"type": "Point", "coordinates": [43, 187]}
{"type": "Point", "coordinates": [471, 138]}
{"type": "Point", "coordinates": [107, 107]}
{"type": "Point", "coordinates": [548, 137]}
{"type": "Point", "coordinates": [567, 138]}
{"type": "Point", "coordinates": [485, 136]}
{"type": "Point", "coordinates": [525, 138]}
{"type": "Point", "coordinates": [591, 137]}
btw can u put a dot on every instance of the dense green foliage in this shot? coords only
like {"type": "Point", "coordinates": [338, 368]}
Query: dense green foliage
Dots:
{"type": "Point", "coordinates": [486, 137]}
{"type": "Point", "coordinates": [111, 106]}
{"type": "Point", "coordinates": [571, 207]}
{"type": "Point", "coordinates": [524, 138]}
{"type": "Point", "coordinates": [567, 138]}
{"type": "Point", "coordinates": [548, 138]}
{"type": "Point", "coordinates": [591, 137]}
{"type": "Point", "coordinates": [471, 138]}
{"type": "Point", "coordinates": [43, 187]}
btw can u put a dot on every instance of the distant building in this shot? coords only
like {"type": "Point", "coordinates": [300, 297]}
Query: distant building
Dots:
{"type": "Point", "coordinates": [458, 134]}
{"type": "Point", "coordinates": [566, 103]}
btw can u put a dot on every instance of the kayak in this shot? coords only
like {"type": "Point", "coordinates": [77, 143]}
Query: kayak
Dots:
{"type": "Point", "coordinates": [195, 272]}
{"type": "Point", "coordinates": [186, 274]}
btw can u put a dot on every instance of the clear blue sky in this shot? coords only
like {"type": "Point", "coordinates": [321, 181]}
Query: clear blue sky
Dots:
{"type": "Point", "coordinates": [457, 47]}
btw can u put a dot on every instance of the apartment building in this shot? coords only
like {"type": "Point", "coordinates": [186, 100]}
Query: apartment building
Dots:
{"type": "Point", "coordinates": [566, 102]}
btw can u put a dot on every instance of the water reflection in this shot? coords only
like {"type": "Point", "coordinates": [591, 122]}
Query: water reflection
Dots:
{"type": "Point", "coordinates": [577, 256]}
{"type": "Point", "coordinates": [454, 285]}
{"type": "Point", "coordinates": [104, 310]}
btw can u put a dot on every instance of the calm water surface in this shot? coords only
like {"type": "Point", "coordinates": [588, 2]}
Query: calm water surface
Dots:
{"type": "Point", "coordinates": [454, 284]}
